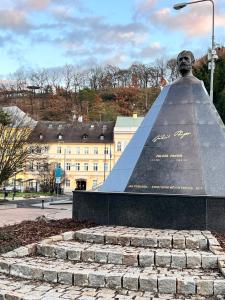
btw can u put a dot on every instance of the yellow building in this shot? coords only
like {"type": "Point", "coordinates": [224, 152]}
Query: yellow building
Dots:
{"type": "Point", "coordinates": [124, 130]}
{"type": "Point", "coordinates": [85, 153]}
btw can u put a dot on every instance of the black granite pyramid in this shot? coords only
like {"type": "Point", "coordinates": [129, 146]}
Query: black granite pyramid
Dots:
{"type": "Point", "coordinates": [178, 149]}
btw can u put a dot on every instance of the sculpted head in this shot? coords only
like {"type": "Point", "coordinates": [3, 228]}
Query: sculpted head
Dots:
{"type": "Point", "coordinates": [185, 61]}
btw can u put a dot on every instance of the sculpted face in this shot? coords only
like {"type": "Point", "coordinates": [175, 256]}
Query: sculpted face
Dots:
{"type": "Point", "coordinates": [185, 61]}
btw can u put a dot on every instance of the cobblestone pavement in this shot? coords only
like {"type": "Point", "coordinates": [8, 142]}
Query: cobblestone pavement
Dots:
{"type": "Point", "coordinates": [115, 262]}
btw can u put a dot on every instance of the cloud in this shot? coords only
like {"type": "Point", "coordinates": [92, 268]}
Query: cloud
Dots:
{"type": "Point", "coordinates": [194, 22]}
{"type": "Point", "coordinates": [144, 7]}
{"type": "Point", "coordinates": [149, 52]}
{"type": "Point", "coordinates": [14, 20]}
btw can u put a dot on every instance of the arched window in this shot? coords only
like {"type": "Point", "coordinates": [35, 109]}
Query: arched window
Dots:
{"type": "Point", "coordinates": [84, 136]}
{"type": "Point", "coordinates": [101, 137]}
{"type": "Point", "coordinates": [60, 137]}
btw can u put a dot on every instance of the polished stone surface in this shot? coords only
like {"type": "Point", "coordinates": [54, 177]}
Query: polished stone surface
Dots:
{"type": "Point", "coordinates": [150, 210]}
{"type": "Point", "coordinates": [178, 149]}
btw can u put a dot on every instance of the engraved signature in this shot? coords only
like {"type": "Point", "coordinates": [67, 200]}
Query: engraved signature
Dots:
{"type": "Point", "coordinates": [179, 134]}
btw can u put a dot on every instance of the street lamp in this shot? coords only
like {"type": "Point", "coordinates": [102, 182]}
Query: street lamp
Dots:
{"type": "Point", "coordinates": [212, 56]}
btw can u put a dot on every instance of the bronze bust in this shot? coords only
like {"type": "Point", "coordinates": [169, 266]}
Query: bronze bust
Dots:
{"type": "Point", "coordinates": [185, 61]}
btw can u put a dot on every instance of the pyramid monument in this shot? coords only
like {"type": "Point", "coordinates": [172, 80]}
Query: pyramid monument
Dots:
{"type": "Point", "coordinates": [180, 146]}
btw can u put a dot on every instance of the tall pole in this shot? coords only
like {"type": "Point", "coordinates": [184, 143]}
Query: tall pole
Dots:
{"type": "Point", "coordinates": [213, 54]}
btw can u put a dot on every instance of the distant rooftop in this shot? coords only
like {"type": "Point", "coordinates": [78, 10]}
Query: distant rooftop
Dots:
{"type": "Point", "coordinates": [133, 122]}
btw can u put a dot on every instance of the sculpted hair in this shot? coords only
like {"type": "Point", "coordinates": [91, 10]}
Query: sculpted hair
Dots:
{"type": "Point", "coordinates": [186, 52]}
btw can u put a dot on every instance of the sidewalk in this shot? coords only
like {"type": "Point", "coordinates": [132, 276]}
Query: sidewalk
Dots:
{"type": "Point", "coordinates": [17, 215]}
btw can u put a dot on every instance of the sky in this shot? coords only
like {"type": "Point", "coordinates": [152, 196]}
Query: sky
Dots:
{"type": "Point", "coordinates": [51, 33]}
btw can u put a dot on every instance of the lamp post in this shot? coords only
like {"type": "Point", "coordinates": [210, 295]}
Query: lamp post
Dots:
{"type": "Point", "coordinates": [212, 55]}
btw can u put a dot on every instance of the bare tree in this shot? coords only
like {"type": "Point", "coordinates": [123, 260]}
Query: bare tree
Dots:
{"type": "Point", "coordinates": [15, 130]}
{"type": "Point", "coordinates": [172, 70]}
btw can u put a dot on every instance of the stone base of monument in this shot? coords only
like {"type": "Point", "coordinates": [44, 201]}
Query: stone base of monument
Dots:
{"type": "Point", "coordinates": [150, 210]}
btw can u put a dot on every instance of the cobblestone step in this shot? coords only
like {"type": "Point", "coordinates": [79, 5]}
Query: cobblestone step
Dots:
{"type": "Point", "coordinates": [149, 279]}
{"type": "Point", "coordinates": [27, 290]}
{"type": "Point", "coordinates": [145, 237]}
{"type": "Point", "coordinates": [128, 255]}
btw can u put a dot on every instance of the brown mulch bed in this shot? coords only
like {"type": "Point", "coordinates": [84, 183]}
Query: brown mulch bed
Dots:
{"type": "Point", "coordinates": [28, 232]}
{"type": "Point", "coordinates": [221, 239]}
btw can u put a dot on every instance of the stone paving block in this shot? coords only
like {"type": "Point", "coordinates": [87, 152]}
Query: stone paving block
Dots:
{"type": "Point", "coordinates": [79, 235]}
{"type": "Point", "coordinates": [113, 280]}
{"type": "Point", "coordinates": [99, 238]}
{"type": "Point", "coordinates": [130, 259]}
{"type": "Point", "coordinates": [101, 256]}
{"type": "Point", "coordinates": [167, 285]}
{"type": "Point", "coordinates": [69, 235]}
{"type": "Point", "coordinates": [164, 242]}
{"type": "Point", "coordinates": [65, 278]}
{"type": "Point", "coordinates": [123, 240]}
{"type": "Point", "coordinates": [209, 261]}
{"type": "Point", "coordinates": [4, 267]}
{"type": "Point", "coordinates": [205, 287]}
{"type": "Point", "coordinates": [186, 286]}
{"type": "Point", "coordinates": [20, 270]}
{"type": "Point", "coordinates": [219, 287]}
{"type": "Point", "coordinates": [115, 258]}
{"type": "Point", "coordinates": [178, 260]}
{"type": "Point", "coordinates": [80, 277]}
{"type": "Point", "coordinates": [46, 250]}
{"type": "Point", "coordinates": [50, 276]}
{"type": "Point", "coordinates": [203, 244]}
{"type": "Point", "coordinates": [192, 243]}
{"type": "Point", "coordinates": [148, 283]}
{"type": "Point", "coordinates": [130, 281]}
{"type": "Point", "coordinates": [179, 242]}
{"type": "Point", "coordinates": [96, 279]}
{"type": "Point", "coordinates": [146, 259]}
{"type": "Point", "coordinates": [193, 260]}
{"type": "Point", "coordinates": [74, 254]}
{"type": "Point", "coordinates": [142, 241]}
{"type": "Point", "coordinates": [111, 239]}
{"type": "Point", "coordinates": [60, 253]}
{"type": "Point", "coordinates": [162, 259]}
{"type": "Point", "coordinates": [88, 255]}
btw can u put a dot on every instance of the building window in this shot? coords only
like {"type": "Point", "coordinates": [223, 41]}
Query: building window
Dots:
{"type": "Point", "coordinates": [85, 166]}
{"type": "Point", "coordinates": [38, 166]}
{"type": "Point", "coordinates": [31, 166]}
{"type": "Point", "coordinates": [59, 150]}
{"type": "Point", "coordinates": [95, 150]}
{"type": "Point", "coordinates": [38, 150]}
{"type": "Point", "coordinates": [106, 150]}
{"type": "Point", "coordinates": [95, 183]}
{"type": "Point", "coordinates": [45, 149]}
{"type": "Point", "coordinates": [95, 167]}
{"type": "Point", "coordinates": [31, 149]}
{"type": "Point", "coordinates": [68, 166]}
{"type": "Point", "coordinates": [77, 166]}
{"type": "Point", "coordinates": [58, 165]}
{"type": "Point", "coordinates": [86, 150]}
{"type": "Point", "coordinates": [67, 182]}
{"type": "Point", "coordinates": [106, 167]}
{"type": "Point", "coordinates": [68, 150]}
{"type": "Point", "coordinates": [31, 184]}
{"type": "Point", "coordinates": [77, 150]}
{"type": "Point", "coordinates": [41, 136]}
{"type": "Point", "coordinates": [101, 137]}
{"type": "Point", "coordinates": [119, 147]}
